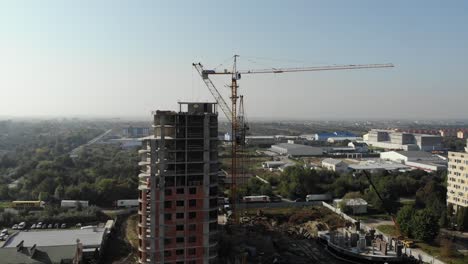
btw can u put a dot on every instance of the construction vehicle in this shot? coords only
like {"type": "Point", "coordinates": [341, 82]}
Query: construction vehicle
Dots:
{"type": "Point", "coordinates": [238, 125]}
{"type": "Point", "coordinates": [406, 243]}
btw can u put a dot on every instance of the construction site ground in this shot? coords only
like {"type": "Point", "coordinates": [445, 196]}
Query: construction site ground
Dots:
{"type": "Point", "coordinates": [279, 235]}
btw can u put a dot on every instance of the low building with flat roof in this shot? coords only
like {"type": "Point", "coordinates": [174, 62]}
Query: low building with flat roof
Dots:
{"type": "Point", "coordinates": [375, 165]}
{"type": "Point", "coordinates": [92, 239]}
{"type": "Point", "coordinates": [40, 255]}
{"type": "Point", "coordinates": [296, 150]}
{"type": "Point", "coordinates": [273, 164]}
{"type": "Point", "coordinates": [260, 140]}
{"type": "Point", "coordinates": [355, 206]}
{"type": "Point", "coordinates": [335, 165]}
{"type": "Point", "coordinates": [417, 159]}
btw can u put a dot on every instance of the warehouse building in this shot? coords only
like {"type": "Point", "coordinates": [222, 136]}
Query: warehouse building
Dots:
{"type": "Point", "coordinates": [390, 139]}
{"type": "Point", "coordinates": [296, 150]}
{"type": "Point", "coordinates": [59, 245]}
{"type": "Point", "coordinates": [41, 255]}
{"type": "Point", "coordinates": [338, 135]}
{"type": "Point", "coordinates": [416, 159]}
{"type": "Point", "coordinates": [260, 140]}
{"type": "Point", "coordinates": [335, 165]}
{"type": "Point", "coordinates": [377, 165]}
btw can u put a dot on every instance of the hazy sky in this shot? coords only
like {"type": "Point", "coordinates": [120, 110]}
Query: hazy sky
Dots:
{"type": "Point", "coordinates": [127, 58]}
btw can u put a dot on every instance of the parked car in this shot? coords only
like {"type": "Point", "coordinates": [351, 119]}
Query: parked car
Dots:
{"type": "Point", "coordinates": [56, 225]}
{"type": "Point", "coordinates": [50, 226]}
{"type": "Point", "coordinates": [39, 225]}
{"type": "Point", "coordinates": [63, 225]}
{"type": "Point", "coordinates": [33, 226]}
{"type": "Point", "coordinates": [2, 238]}
{"type": "Point", "coordinates": [15, 226]}
{"type": "Point", "coordinates": [21, 225]}
{"type": "Point", "coordinates": [44, 226]}
{"type": "Point", "coordinates": [4, 231]}
{"type": "Point", "coordinates": [78, 225]}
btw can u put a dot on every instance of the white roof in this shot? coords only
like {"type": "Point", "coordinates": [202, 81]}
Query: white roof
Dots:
{"type": "Point", "coordinates": [332, 161]}
{"type": "Point", "coordinates": [88, 237]}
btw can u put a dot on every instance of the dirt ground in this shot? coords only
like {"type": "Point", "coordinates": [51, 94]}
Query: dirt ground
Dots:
{"type": "Point", "coordinates": [279, 236]}
{"type": "Point", "coordinates": [123, 242]}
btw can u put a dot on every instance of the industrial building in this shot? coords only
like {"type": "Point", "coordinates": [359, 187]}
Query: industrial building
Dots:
{"type": "Point", "coordinates": [178, 207]}
{"type": "Point", "coordinates": [267, 141]}
{"type": "Point", "coordinates": [335, 165]}
{"type": "Point", "coordinates": [359, 147]}
{"type": "Point", "coordinates": [273, 164]}
{"type": "Point", "coordinates": [355, 206]}
{"type": "Point", "coordinates": [40, 255]}
{"type": "Point", "coordinates": [61, 246]}
{"type": "Point", "coordinates": [457, 179]}
{"type": "Point", "coordinates": [390, 139]}
{"type": "Point", "coordinates": [339, 135]}
{"type": "Point", "coordinates": [376, 165]}
{"type": "Point", "coordinates": [260, 140]}
{"type": "Point", "coordinates": [416, 159]}
{"type": "Point", "coordinates": [296, 150]}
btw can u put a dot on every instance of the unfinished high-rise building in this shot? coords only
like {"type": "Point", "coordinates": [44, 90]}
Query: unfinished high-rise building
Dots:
{"type": "Point", "coordinates": [178, 187]}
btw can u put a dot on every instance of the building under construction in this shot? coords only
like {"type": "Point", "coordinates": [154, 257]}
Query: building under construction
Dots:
{"type": "Point", "coordinates": [178, 187]}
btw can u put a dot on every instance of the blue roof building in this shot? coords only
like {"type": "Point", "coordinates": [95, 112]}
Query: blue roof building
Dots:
{"type": "Point", "coordinates": [337, 134]}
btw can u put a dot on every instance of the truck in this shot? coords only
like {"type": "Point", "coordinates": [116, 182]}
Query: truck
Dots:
{"type": "Point", "coordinates": [256, 199]}
{"type": "Point", "coordinates": [129, 203]}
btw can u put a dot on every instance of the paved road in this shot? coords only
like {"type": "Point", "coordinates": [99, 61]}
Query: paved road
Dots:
{"type": "Point", "coordinates": [74, 152]}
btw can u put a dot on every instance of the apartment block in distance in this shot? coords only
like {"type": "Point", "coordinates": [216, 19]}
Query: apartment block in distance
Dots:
{"type": "Point", "coordinates": [457, 179]}
{"type": "Point", "coordinates": [178, 187]}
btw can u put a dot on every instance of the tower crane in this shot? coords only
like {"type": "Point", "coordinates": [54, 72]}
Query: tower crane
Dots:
{"type": "Point", "coordinates": [231, 112]}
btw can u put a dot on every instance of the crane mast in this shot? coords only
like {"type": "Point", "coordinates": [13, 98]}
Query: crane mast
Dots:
{"type": "Point", "coordinates": [238, 128]}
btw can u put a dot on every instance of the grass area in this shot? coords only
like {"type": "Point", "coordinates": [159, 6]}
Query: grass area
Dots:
{"type": "Point", "coordinates": [443, 251]}
{"type": "Point", "coordinates": [453, 258]}
{"type": "Point", "coordinates": [131, 234]}
{"type": "Point", "coordinates": [388, 230]}
{"type": "Point", "coordinates": [5, 204]}
{"type": "Point", "coordinates": [370, 216]}
{"type": "Point", "coordinates": [403, 203]}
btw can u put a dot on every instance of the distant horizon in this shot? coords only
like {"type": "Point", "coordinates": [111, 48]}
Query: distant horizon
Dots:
{"type": "Point", "coordinates": [254, 119]}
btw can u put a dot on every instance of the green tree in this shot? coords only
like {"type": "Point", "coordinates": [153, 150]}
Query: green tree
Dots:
{"type": "Point", "coordinates": [405, 219]}
{"type": "Point", "coordinates": [59, 192]}
{"type": "Point", "coordinates": [4, 192]}
{"type": "Point", "coordinates": [462, 218]}
{"type": "Point", "coordinates": [43, 196]}
{"type": "Point", "coordinates": [433, 197]}
{"type": "Point", "coordinates": [425, 225]}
